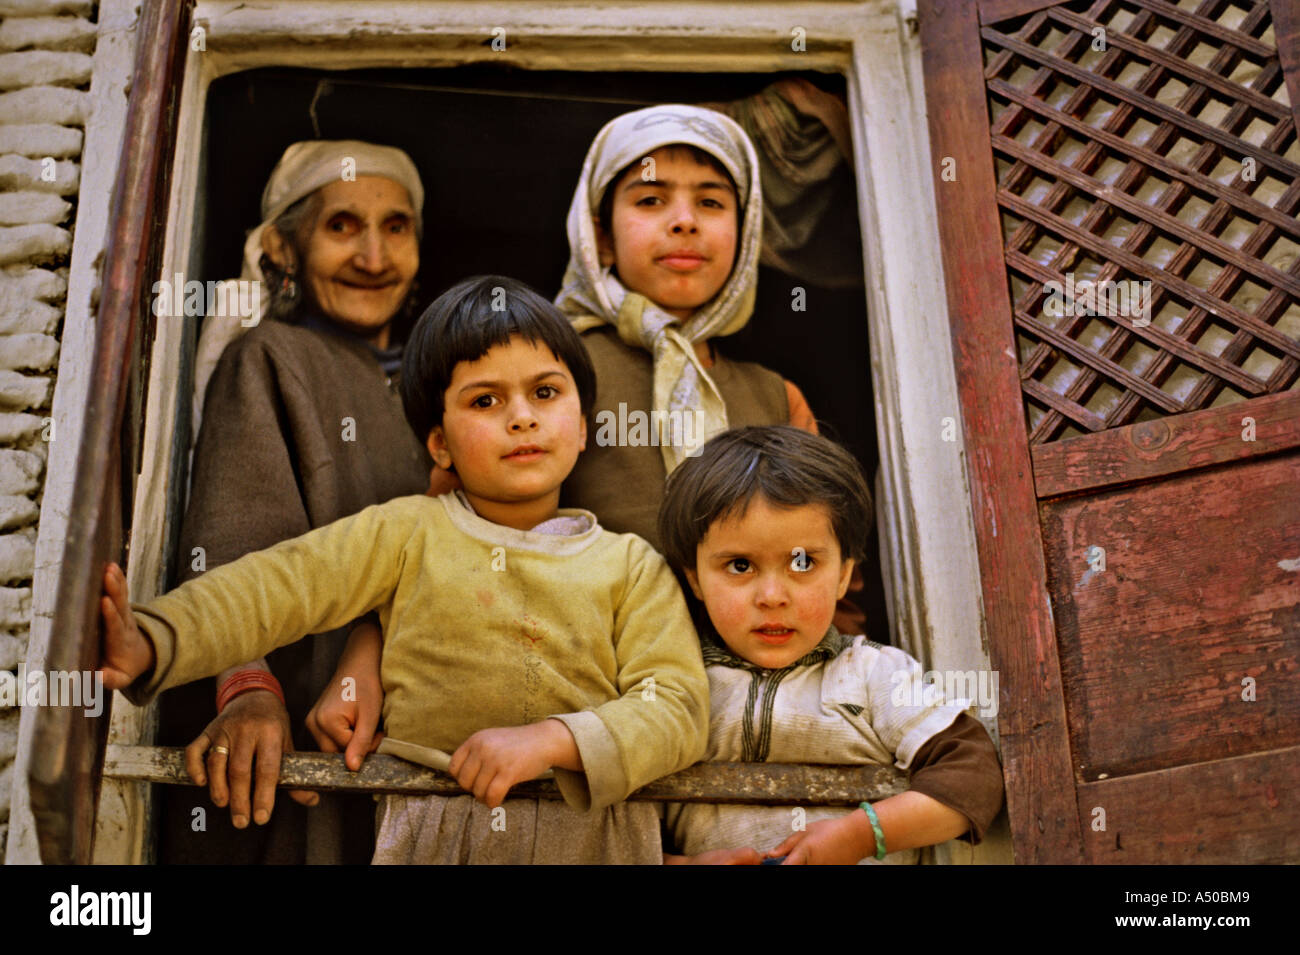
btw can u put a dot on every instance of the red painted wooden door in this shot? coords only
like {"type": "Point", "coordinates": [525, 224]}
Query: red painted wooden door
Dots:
{"type": "Point", "coordinates": [1117, 185]}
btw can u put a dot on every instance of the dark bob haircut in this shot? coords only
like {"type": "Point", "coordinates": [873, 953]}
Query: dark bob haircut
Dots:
{"type": "Point", "coordinates": [786, 466]}
{"type": "Point", "coordinates": [467, 320]}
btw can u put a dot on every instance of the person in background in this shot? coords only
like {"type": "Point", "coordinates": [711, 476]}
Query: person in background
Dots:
{"type": "Point", "coordinates": [298, 424]}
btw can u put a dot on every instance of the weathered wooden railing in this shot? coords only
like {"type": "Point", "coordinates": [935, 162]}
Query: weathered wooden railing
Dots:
{"type": "Point", "coordinates": [759, 784]}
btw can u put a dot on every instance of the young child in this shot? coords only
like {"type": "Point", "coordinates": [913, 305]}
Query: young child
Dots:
{"type": "Point", "coordinates": [766, 524]}
{"type": "Point", "coordinates": [664, 236]}
{"type": "Point", "coordinates": [518, 637]}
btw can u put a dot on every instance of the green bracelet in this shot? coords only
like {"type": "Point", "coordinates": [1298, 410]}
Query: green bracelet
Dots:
{"type": "Point", "coordinates": [875, 827]}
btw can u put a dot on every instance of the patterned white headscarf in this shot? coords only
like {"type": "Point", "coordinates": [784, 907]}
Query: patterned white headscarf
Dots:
{"type": "Point", "coordinates": [592, 295]}
{"type": "Point", "coordinates": [304, 168]}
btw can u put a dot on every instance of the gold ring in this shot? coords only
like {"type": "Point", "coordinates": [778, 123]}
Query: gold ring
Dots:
{"type": "Point", "coordinates": [221, 749]}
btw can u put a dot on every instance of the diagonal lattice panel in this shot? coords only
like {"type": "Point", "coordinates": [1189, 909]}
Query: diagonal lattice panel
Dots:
{"type": "Point", "coordinates": [1149, 180]}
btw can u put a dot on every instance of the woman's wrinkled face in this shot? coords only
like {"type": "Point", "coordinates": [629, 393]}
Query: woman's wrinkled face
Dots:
{"type": "Point", "coordinates": [360, 252]}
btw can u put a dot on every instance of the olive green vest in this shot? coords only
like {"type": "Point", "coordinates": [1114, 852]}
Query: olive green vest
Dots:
{"type": "Point", "coordinates": [623, 483]}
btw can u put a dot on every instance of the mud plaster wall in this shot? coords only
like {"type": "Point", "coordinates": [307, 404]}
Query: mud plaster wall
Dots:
{"type": "Point", "coordinates": [59, 138]}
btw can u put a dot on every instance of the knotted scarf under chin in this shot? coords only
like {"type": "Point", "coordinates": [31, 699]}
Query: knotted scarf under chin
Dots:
{"type": "Point", "coordinates": [695, 408]}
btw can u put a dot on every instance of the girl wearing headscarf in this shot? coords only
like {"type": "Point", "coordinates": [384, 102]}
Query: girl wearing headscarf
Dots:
{"type": "Point", "coordinates": [647, 359]}
{"type": "Point", "coordinates": [298, 424]}
{"type": "Point", "coordinates": [655, 366]}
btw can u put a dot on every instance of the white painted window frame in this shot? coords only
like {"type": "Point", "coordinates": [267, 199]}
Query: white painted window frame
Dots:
{"type": "Point", "coordinates": [923, 507]}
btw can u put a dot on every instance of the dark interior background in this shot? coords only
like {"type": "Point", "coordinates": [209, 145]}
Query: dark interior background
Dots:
{"type": "Point", "coordinates": [499, 151]}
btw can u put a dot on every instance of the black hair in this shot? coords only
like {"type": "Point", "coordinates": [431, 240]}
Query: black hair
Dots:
{"type": "Point", "coordinates": [467, 320]}
{"type": "Point", "coordinates": [787, 466]}
{"type": "Point", "coordinates": [605, 211]}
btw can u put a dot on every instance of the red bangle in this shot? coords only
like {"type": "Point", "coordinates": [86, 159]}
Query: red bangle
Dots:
{"type": "Point", "coordinates": [246, 680]}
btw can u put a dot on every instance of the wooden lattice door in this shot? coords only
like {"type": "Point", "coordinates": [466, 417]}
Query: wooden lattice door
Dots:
{"type": "Point", "coordinates": [1117, 184]}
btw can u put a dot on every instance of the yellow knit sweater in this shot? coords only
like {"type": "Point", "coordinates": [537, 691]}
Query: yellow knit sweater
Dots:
{"type": "Point", "coordinates": [484, 626]}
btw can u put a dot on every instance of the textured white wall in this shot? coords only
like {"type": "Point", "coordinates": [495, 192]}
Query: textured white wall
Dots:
{"type": "Point", "coordinates": [64, 69]}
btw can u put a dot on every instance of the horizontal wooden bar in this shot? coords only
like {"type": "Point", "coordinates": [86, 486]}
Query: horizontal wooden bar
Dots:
{"type": "Point", "coordinates": [1236, 810]}
{"type": "Point", "coordinates": [757, 784]}
{"type": "Point", "coordinates": [991, 11]}
{"type": "Point", "coordinates": [1151, 449]}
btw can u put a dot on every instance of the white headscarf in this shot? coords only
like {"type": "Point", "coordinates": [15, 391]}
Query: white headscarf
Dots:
{"type": "Point", "coordinates": [304, 168]}
{"type": "Point", "coordinates": [592, 295]}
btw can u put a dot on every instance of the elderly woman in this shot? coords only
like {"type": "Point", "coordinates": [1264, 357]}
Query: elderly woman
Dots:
{"type": "Point", "coordinates": [301, 425]}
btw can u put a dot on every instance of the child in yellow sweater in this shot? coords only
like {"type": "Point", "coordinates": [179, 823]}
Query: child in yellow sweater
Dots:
{"type": "Point", "coordinates": [519, 637]}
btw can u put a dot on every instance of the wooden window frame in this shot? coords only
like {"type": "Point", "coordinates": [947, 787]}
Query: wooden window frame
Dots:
{"type": "Point", "coordinates": [924, 502]}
